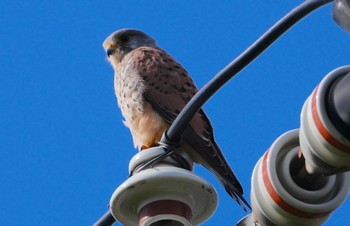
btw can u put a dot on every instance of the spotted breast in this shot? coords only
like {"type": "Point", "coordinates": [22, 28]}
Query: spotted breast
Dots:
{"type": "Point", "coordinates": [145, 124]}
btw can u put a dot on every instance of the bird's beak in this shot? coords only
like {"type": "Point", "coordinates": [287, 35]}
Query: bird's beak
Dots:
{"type": "Point", "coordinates": [110, 51]}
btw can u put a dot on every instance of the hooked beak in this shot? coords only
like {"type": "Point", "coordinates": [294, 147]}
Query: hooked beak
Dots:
{"type": "Point", "coordinates": [110, 51]}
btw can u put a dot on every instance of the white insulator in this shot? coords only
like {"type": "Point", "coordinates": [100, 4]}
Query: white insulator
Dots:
{"type": "Point", "coordinates": [325, 149]}
{"type": "Point", "coordinates": [163, 193]}
{"type": "Point", "coordinates": [247, 221]}
{"type": "Point", "coordinates": [283, 194]}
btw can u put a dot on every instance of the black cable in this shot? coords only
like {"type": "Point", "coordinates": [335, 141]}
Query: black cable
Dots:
{"type": "Point", "coordinates": [174, 133]}
{"type": "Point", "coordinates": [106, 220]}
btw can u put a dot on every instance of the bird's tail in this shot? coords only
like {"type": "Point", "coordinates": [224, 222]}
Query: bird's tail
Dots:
{"type": "Point", "coordinates": [208, 153]}
{"type": "Point", "coordinates": [237, 196]}
{"type": "Point", "coordinates": [228, 178]}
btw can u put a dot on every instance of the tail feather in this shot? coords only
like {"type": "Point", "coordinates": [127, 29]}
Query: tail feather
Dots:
{"type": "Point", "coordinates": [238, 197]}
{"type": "Point", "coordinates": [210, 156]}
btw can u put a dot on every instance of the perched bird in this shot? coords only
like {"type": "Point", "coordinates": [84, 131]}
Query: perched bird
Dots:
{"type": "Point", "coordinates": [152, 88]}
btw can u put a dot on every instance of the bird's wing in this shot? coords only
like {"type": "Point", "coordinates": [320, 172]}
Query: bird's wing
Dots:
{"type": "Point", "coordinates": [168, 89]}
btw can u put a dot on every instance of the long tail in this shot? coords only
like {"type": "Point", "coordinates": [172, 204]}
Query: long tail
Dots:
{"type": "Point", "coordinates": [238, 197]}
{"type": "Point", "coordinates": [208, 153]}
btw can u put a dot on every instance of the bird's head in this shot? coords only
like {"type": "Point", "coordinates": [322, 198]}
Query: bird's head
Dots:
{"type": "Point", "coordinates": [123, 41]}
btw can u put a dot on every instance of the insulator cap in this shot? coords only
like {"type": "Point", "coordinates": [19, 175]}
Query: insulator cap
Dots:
{"type": "Point", "coordinates": [163, 193]}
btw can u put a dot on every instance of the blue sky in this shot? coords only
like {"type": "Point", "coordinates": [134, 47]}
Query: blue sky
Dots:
{"type": "Point", "coordinates": [63, 146]}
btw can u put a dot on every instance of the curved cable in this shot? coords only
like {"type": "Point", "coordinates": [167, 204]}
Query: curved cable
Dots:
{"type": "Point", "coordinates": [174, 133]}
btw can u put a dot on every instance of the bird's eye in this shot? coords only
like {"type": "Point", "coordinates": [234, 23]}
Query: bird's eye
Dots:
{"type": "Point", "coordinates": [123, 38]}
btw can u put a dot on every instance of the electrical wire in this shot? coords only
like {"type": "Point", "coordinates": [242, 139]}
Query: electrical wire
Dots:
{"type": "Point", "coordinates": [174, 133]}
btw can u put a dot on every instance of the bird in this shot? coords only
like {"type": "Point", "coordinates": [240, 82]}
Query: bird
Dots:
{"type": "Point", "coordinates": [151, 89]}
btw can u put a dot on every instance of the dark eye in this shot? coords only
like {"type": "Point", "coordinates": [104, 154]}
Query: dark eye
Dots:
{"type": "Point", "coordinates": [123, 38]}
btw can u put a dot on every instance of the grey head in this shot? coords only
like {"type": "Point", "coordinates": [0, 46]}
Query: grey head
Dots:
{"type": "Point", "coordinates": [123, 41]}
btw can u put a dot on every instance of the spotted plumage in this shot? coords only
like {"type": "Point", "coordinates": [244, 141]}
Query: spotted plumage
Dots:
{"type": "Point", "coordinates": [152, 88]}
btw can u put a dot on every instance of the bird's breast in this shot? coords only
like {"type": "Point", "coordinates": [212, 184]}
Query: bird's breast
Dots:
{"type": "Point", "coordinates": [145, 124]}
{"type": "Point", "coordinates": [129, 90]}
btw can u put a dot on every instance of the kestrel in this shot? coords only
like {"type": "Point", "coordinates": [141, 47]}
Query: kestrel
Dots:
{"type": "Point", "coordinates": [152, 88]}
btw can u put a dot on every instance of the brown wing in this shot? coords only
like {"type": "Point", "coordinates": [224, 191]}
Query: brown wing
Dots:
{"type": "Point", "coordinates": [169, 88]}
